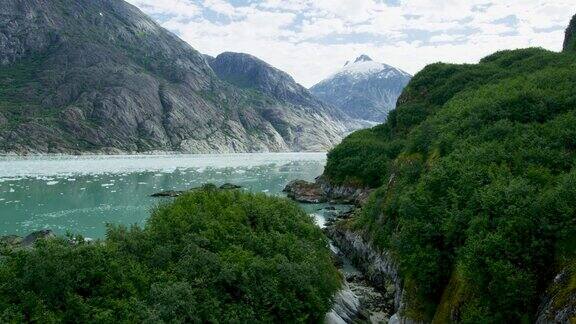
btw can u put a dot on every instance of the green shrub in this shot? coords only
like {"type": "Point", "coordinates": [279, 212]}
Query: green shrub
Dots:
{"type": "Point", "coordinates": [210, 256]}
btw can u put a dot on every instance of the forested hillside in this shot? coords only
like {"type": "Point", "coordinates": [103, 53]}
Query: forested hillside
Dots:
{"type": "Point", "coordinates": [476, 182]}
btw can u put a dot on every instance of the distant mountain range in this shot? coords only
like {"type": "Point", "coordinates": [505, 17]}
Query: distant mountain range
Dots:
{"type": "Point", "coordinates": [101, 76]}
{"type": "Point", "coordinates": [363, 89]}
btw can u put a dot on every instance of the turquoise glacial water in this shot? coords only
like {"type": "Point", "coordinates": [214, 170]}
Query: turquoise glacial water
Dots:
{"type": "Point", "coordinates": [81, 194]}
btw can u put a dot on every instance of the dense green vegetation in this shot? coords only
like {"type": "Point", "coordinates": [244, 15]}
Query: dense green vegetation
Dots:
{"type": "Point", "coordinates": [476, 182]}
{"type": "Point", "coordinates": [211, 256]}
{"type": "Point", "coordinates": [570, 39]}
{"type": "Point", "coordinates": [19, 90]}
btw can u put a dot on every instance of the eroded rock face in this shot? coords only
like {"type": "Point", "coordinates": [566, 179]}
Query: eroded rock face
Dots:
{"type": "Point", "coordinates": [559, 304]}
{"type": "Point", "coordinates": [322, 191]}
{"type": "Point", "coordinates": [344, 194]}
{"type": "Point", "coordinates": [305, 192]}
{"type": "Point", "coordinates": [377, 267]}
{"type": "Point", "coordinates": [116, 80]}
{"type": "Point", "coordinates": [346, 307]}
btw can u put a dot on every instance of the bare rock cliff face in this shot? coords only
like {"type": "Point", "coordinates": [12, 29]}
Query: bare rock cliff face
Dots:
{"type": "Point", "coordinates": [100, 76]}
{"type": "Point", "coordinates": [303, 120]}
{"type": "Point", "coordinates": [559, 303]}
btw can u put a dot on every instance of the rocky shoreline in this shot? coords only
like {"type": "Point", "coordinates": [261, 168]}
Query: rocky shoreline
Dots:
{"type": "Point", "coordinates": [178, 193]}
{"type": "Point", "coordinates": [28, 241]}
{"type": "Point", "coordinates": [321, 191]}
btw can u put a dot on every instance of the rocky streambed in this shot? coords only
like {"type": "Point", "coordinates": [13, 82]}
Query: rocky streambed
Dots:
{"type": "Point", "coordinates": [371, 291]}
{"type": "Point", "coordinates": [371, 276]}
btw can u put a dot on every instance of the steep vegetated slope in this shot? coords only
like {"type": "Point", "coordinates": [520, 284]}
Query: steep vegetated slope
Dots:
{"type": "Point", "coordinates": [570, 39]}
{"type": "Point", "coordinates": [476, 182]}
{"type": "Point", "coordinates": [363, 89]}
{"type": "Point", "coordinates": [100, 75]}
{"type": "Point", "coordinates": [210, 256]}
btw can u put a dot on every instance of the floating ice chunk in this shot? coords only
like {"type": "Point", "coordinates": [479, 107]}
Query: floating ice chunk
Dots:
{"type": "Point", "coordinates": [51, 183]}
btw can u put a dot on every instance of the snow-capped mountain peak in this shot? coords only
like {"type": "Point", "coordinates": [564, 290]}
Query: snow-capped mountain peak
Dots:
{"type": "Point", "coordinates": [363, 58]}
{"type": "Point", "coordinates": [363, 66]}
{"type": "Point", "coordinates": [363, 88]}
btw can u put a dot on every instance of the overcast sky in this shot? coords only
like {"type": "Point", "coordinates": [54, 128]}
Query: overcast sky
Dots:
{"type": "Point", "coordinates": [310, 39]}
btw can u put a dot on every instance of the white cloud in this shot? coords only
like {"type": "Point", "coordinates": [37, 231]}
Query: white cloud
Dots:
{"type": "Point", "coordinates": [311, 38]}
{"type": "Point", "coordinates": [174, 8]}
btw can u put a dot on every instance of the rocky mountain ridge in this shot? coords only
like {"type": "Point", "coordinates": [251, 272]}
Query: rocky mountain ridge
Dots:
{"type": "Point", "coordinates": [253, 74]}
{"type": "Point", "coordinates": [100, 76]}
{"type": "Point", "coordinates": [363, 89]}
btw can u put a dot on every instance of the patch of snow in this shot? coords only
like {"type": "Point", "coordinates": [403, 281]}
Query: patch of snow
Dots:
{"type": "Point", "coordinates": [364, 68]}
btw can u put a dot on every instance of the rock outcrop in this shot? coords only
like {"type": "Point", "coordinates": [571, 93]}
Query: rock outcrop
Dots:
{"type": "Point", "coordinates": [322, 191]}
{"type": "Point", "coordinates": [178, 193]}
{"type": "Point", "coordinates": [305, 192]}
{"type": "Point", "coordinates": [15, 242]}
{"type": "Point", "coordinates": [100, 76]}
{"type": "Point", "coordinates": [559, 304]}
{"type": "Point", "coordinates": [378, 267]}
{"type": "Point", "coordinates": [363, 89]}
{"type": "Point", "coordinates": [346, 307]}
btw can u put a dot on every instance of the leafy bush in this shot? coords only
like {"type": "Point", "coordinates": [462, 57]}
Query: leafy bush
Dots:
{"type": "Point", "coordinates": [477, 199]}
{"type": "Point", "coordinates": [211, 256]}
